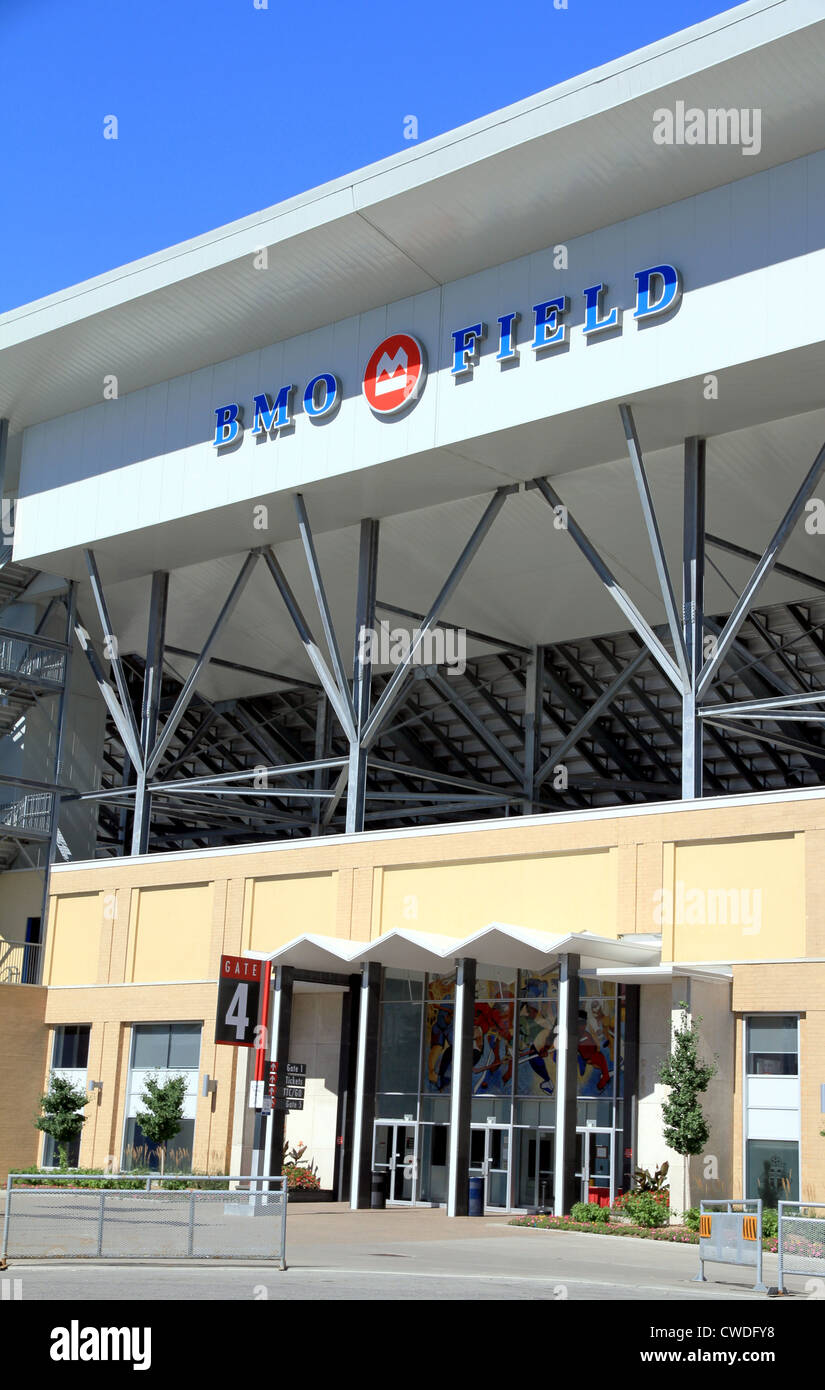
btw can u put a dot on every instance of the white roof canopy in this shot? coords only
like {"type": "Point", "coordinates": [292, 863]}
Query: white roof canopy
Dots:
{"type": "Point", "coordinates": [496, 944]}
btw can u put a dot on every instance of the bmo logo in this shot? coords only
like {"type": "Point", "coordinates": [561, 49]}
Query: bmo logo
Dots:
{"type": "Point", "coordinates": [395, 374]}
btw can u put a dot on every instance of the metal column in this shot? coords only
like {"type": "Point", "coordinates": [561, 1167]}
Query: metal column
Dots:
{"type": "Point", "coordinates": [365, 1082]}
{"type": "Point", "coordinates": [693, 595]}
{"type": "Point", "coordinates": [362, 673]}
{"type": "Point", "coordinates": [564, 1187]}
{"type": "Point", "coordinates": [71, 599]}
{"type": "Point", "coordinates": [152, 678]}
{"type": "Point", "coordinates": [458, 1181]}
{"type": "Point", "coordinates": [279, 1052]}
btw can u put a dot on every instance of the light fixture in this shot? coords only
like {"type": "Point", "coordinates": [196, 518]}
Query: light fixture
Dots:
{"type": "Point", "coordinates": [210, 1085]}
{"type": "Point", "coordinates": [95, 1086]}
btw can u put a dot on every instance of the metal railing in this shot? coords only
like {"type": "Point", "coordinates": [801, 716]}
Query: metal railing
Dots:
{"type": "Point", "coordinates": [800, 1241]}
{"type": "Point", "coordinates": [732, 1236]}
{"type": "Point", "coordinates": [31, 812]}
{"type": "Point", "coordinates": [147, 1221]}
{"type": "Point", "coordinates": [20, 962]}
{"type": "Point", "coordinates": [30, 655]}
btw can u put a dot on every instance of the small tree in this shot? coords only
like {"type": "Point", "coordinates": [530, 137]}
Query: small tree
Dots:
{"type": "Point", "coordinates": [685, 1127]}
{"type": "Point", "coordinates": [162, 1118]}
{"type": "Point", "coordinates": [61, 1118]}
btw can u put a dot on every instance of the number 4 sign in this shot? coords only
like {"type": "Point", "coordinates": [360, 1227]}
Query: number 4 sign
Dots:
{"type": "Point", "coordinates": [239, 1001]}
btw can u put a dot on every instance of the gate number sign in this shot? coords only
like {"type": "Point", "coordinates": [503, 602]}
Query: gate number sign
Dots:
{"type": "Point", "coordinates": [239, 1001]}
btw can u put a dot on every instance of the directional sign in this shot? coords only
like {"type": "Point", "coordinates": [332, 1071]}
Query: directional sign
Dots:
{"type": "Point", "coordinates": [239, 1001]}
{"type": "Point", "coordinates": [294, 1104]}
{"type": "Point", "coordinates": [294, 1092]}
{"type": "Point", "coordinates": [296, 1069]}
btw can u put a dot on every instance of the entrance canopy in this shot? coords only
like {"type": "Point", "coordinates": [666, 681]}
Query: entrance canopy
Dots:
{"type": "Point", "coordinates": [496, 944]}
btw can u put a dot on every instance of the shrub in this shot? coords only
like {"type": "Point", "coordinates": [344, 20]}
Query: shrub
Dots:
{"type": "Point", "coordinates": [589, 1211]}
{"type": "Point", "coordinates": [643, 1209]}
{"type": "Point", "coordinates": [770, 1222]}
{"type": "Point", "coordinates": [691, 1218]}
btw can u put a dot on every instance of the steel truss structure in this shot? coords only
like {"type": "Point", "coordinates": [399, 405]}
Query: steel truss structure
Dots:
{"type": "Point", "coordinates": [705, 704]}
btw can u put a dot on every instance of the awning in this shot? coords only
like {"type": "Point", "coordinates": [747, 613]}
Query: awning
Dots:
{"type": "Point", "coordinates": [497, 944]}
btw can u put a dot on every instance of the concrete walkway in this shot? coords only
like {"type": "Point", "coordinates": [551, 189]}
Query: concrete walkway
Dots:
{"type": "Point", "coordinates": [334, 1253]}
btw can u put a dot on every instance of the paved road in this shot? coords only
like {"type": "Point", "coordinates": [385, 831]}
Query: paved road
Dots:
{"type": "Point", "coordinates": [335, 1254]}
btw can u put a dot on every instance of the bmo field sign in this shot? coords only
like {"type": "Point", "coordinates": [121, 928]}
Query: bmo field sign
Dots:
{"type": "Point", "coordinates": [239, 1001]}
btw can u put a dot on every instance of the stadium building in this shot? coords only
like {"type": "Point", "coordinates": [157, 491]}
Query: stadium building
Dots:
{"type": "Point", "coordinates": [419, 587]}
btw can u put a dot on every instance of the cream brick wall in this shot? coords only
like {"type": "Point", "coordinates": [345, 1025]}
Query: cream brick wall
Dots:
{"type": "Point", "coordinates": [23, 1041]}
{"type": "Point", "coordinates": [600, 873]}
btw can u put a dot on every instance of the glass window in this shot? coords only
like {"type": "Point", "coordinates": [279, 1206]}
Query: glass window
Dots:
{"type": "Point", "coordinates": [400, 1047]}
{"type": "Point", "coordinates": [184, 1045]}
{"type": "Point", "coordinates": [403, 986]}
{"type": "Point", "coordinates": [773, 1170]}
{"type": "Point", "coordinates": [159, 1046]}
{"type": "Point", "coordinates": [71, 1045]}
{"type": "Point", "coordinates": [140, 1152]}
{"type": "Point", "coordinates": [597, 1037]}
{"type": "Point", "coordinates": [773, 1045]}
{"type": "Point", "coordinates": [495, 982]}
{"type": "Point", "coordinates": [51, 1157]}
{"type": "Point", "coordinates": [151, 1045]}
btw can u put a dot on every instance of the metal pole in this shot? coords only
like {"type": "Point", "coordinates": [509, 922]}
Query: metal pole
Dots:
{"type": "Point", "coordinates": [4, 1252]}
{"type": "Point", "coordinates": [362, 673]}
{"type": "Point", "coordinates": [283, 1222]}
{"type": "Point", "coordinates": [152, 679]}
{"type": "Point", "coordinates": [71, 598]}
{"type": "Point", "coordinates": [693, 588]}
{"type": "Point", "coordinates": [780, 1244]}
{"type": "Point", "coordinates": [662, 571]}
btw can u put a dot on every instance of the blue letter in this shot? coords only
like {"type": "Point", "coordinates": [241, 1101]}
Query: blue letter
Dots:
{"type": "Point", "coordinates": [226, 417]}
{"type": "Point", "coordinates": [273, 417]}
{"type": "Point", "coordinates": [592, 322]}
{"type": "Point", "coordinates": [671, 291]}
{"type": "Point", "coordinates": [549, 332]}
{"type": "Point", "coordinates": [329, 399]}
{"type": "Point", "coordinates": [507, 337]}
{"type": "Point", "coordinates": [465, 347]}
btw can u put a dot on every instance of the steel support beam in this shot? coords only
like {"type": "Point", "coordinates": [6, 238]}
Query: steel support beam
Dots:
{"type": "Point", "coordinates": [152, 679]}
{"type": "Point", "coordinates": [341, 702]}
{"type": "Point", "coordinates": [462, 564]}
{"type": "Point", "coordinates": [809, 580]}
{"type": "Point", "coordinates": [693, 601]}
{"type": "Point", "coordinates": [533, 710]}
{"type": "Point", "coordinates": [362, 672]}
{"type": "Point", "coordinates": [323, 606]}
{"type": "Point", "coordinates": [619, 595]}
{"type": "Point", "coordinates": [182, 702]}
{"type": "Point", "coordinates": [54, 824]}
{"type": "Point", "coordinates": [762, 570]}
{"type": "Point", "coordinates": [662, 571]}
{"type": "Point", "coordinates": [119, 717]}
{"type": "Point", "coordinates": [596, 709]}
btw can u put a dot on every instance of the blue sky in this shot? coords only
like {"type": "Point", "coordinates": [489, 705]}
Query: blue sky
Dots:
{"type": "Point", "coordinates": [224, 108]}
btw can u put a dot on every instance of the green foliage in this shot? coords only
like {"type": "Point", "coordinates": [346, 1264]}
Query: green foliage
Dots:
{"type": "Point", "coordinates": [61, 1117]}
{"type": "Point", "coordinates": [590, 1211]}
{"type": "Point", "coordinates": [691, 1218]}
{"type": "Point", "coordinates": [162, 1118]}
{"type": "Point", "coordinates": [770, 1222]}
{"type": "Point", "coordinates": [643, 1209]}
{"type": "Point", "coordinates": [651, 1182]}
{"type": "Point", "coordinates": [685, 1128]}
{"type": "Point", "coordinates": [95, 1179]}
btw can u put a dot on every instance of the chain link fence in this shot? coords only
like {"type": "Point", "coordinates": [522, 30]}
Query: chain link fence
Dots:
{"type": "Point", "coordinates": [198, 1222]}
{"type": "Point", "coordinates": [801, 1239]}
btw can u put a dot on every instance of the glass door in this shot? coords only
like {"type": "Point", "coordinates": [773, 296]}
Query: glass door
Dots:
{"type": "Point", "coordinates": [594, 1165]}
{"type": "Point", "coordinates": [395, 1151]}
{"type": "Point", "coordinates": [490, 1159]}
{"type": "Point", "coordinates": [534, 1185]}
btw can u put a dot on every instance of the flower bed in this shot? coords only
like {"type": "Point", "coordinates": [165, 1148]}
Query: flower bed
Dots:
{"type": "Point", "coordinates": [678, 1235]}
